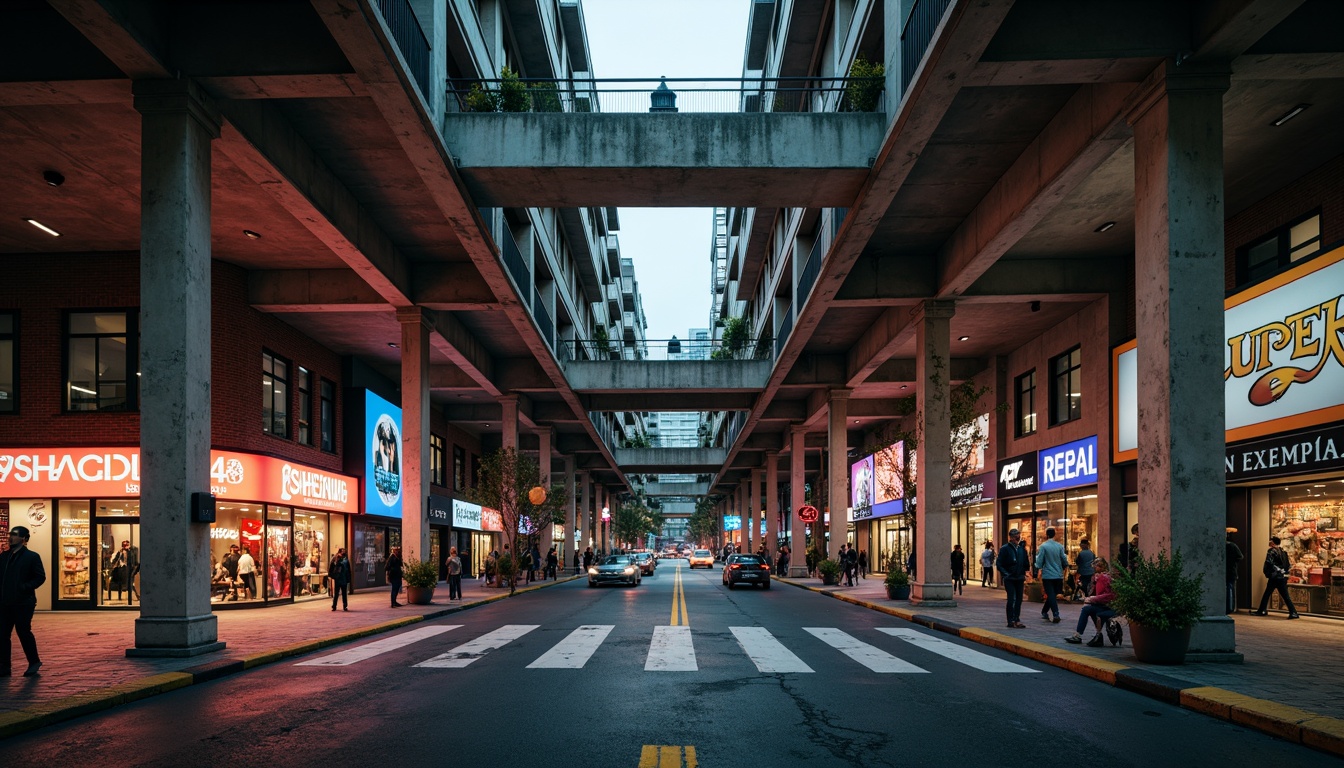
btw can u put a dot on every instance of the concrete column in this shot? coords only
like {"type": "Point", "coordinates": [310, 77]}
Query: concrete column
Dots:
{"type": "Point", "coordinates": [893, 22]}
{"type": "Point", "coordinates": [415, 411]}
{"type": "Point", "coordinates": [585, 512]}
{"type": "Point", "coordinates": [571, 516]}
{"type": "Point", "coordinates": [933, 484]}
{"type": "Point", "coordinates": [744, 515]}
{"type": "Point", "coordinates": [177, 127]}
{"type": "Point", "coordinates": [772, 503]}
{"type": "Point", "coordinates": [509, 421]}
{"type": "Point", "coordinates": [751, 521]}
{"type": "Point", "coordinates": [1178, 216]}
{"type": "Point", "coordinates": [837, 475]}
{"type": "Point", "coordinates": [544, 437]}
{"type": "Point", "coordinates": [797, 498]}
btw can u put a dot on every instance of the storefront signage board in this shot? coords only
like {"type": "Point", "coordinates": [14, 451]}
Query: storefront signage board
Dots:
{"type": "Point", "coordinates": [382, 458]}
{"type": "Point", "coordinates": [1283, 358]}
{"type": "Point", "coordinates": [115, 472]}
{"type": "Point", "coordinates": [1017, 476]}
{"type": "Point", "coordinates": [979, 488]}
{"type": "Point", "coordinates": [861, 473]}
{"type": "Point", "coordinates": [439, 510]}
{"type": "Point", "coordinates": [1068, 466]}
{"type": "Point", "coordinates": [467, 516]}
{"type": "Point", "coordinates": [1319, 449]}
{"type": "Point", "coordinates": [732, 522]}
{"type": "Point", "coordinates": [492, 520]}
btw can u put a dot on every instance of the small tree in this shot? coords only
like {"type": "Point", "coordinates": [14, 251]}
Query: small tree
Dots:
{"type": "Point", "coordinates": [866, 84]}
{"type": "Point", "coordinates": [735, 338]}
{"type": "Point", "coordinates": [507, 481]}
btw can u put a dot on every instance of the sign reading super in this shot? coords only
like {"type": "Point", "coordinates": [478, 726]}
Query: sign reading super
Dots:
{"type": "Point", "coordinates": [1069, 465]}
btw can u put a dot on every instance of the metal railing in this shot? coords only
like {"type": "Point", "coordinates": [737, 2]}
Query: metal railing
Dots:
{"type": "Point", "coordinates": [657, 349]}
{"type": "Point", "coordinates": [410, 39]}
{"type": "Point", "coordinates": [736, 422]}
{"type": "Point", "coordinates": [917, 35]}
{"type": "Point", "coordinates": [811, 269]}
{"type": "Point", "coordinates": [543, 317]}
{"type": "Point", "coordinates": [785, 328]}
{"type": "Point", "coordinates": [513, 260]}
{"type": "Point", "coordinates": [707, 95]}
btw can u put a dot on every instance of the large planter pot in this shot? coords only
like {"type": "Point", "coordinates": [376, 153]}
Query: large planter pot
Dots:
{"type": "Point", "coordinates": [898, 593]}
{"type": "Point", "coordinates": [830, 580]}
{"type": "Point", "coordinates": [419, 595]}
{"type": "Point", "coordinates": [1034, 592]}
{"type": "Point", "coordinates": [1156, 646]}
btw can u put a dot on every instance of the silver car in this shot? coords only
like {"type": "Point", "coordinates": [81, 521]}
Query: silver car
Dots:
{"type": "Point", "coordinates": [615, 569]}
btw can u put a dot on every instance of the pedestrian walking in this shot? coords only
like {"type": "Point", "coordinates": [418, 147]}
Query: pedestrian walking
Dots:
{"type": "Point", "coordinates": [395, 573]}
{"type": "Point", "coordinates": [1234, 558]}
{"type": "Point", "coordinates": [987, 565]}
{"type": "Point", "coordinates": [552, 564]}
{"type": "Point", "coordinates": [1052, 562]}
{"type": "Point", "coordinates": [587, 559]}
{"type": "Point", "coordinates": [782, 567]}
{"type": "Point", "coordinates": [339, 573]}
{"type": "Point", "coordinates": [454, 567]}
{"type": "Point", "coordinates": [1086, 562]}
{"type": "Point", "coordinates": [21, 574]}
{"type": "Point", "coordinates": [863, 563]}
{"type": "Point", "coordinates": [958, 568]}
{"type": "Point", "coordinates": [247, 572]}
{"type": "Point", "coordinates": [1276, 570]}
{"type": "Point", "coordinates": [852, 564]}
{"type": "Point", "coordinates": [535, 557]}
{"type": "Point", "coordinates": [811, 560]}
{"type": "Point", "coordinates": [910, 563]}
{"type": "Point", "coordinates": [1013, 564]}
{"type": "Point", "coordinates": [230, 563]}
{"type": "Point", "coordinates": [1129, 551]}
{"type": "Point", "coordinates": [1096, 607]}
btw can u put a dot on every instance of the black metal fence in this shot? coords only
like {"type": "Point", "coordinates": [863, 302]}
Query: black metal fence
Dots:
{"type": "Point", "coordinates": [629, 95]}
{"type": "Point", "coordinates": [917, 35]}
{"type": "Point", "coordinates": [410, 39]}
{"type": "Point", "coordinates": [513, 259]}
{"type": "Point", "coordinates": [666, 349]}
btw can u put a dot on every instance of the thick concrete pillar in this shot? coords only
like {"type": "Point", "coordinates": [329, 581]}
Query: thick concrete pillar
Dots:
{"type": "Point", "coordinates": [176, 129]}
{"type": "Point", "coordinates": [797, 498]}
{"type": "Point", "coordinates": [545, 436]}
{"type": "Point", "coordinates": [933, 483]}
{"type": "Point", "coordinates": [751, 522]}
{"type": "Point", "coordinates": [585, 512]}
{"type": "Point", "coordinates": [509, 421]}
{"type": "Point", "coordinates": [1178, 216]}
{"type": "Point", "coordinates": [415, 411]}
{"type": "Point", "coordinates": [837, 475]}
{"type": "Point", "coordinates": [571, 516]}
{"type": "Point", "coordinates": [772, 503]}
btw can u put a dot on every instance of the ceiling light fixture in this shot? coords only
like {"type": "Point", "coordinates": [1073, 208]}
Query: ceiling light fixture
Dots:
{"type": "Point", "coordinates": [1035, 306]}
{"type": "Point", "coordinates": [251, 235]}
{"type": "Point", "coordinates": [53, 178]}
{"type": "Point", "coordinates": [394, 345]}
{"type": "Point", "coordinates": [1104, 227]}
{"type": "Point", "coordinates": [43, 227]}
{"type": "Point", "coordinates": [904, 386]}
{"type": "Point", "coordinates": [1289, 115]}
{"type": "Point", "coordinates": [963, 338]}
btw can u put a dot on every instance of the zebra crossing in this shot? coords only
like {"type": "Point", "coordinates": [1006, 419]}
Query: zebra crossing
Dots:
{"type": "Point", "coordinates": [672, 649]}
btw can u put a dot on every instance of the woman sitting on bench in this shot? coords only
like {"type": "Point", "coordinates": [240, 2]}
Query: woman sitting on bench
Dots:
{"type": "Point", "coordinates": [1096, 607]}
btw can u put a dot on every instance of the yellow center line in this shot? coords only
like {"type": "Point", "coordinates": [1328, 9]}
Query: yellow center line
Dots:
{"type": "Point", "coordinates": [679, 601]}
{"type": "Point", "coordinates": [661, 756]}
{"type": "Point", "coordinates": [676, 594]}
{"type": "Point", "coordinates": [685, 617]}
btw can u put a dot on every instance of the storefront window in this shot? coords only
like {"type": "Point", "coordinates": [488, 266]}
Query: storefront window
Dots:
{"type": "Point", "coordinates": [311, 553]}
{"type": "Point", "coordinates": [74, 550]}
{"type": "Point", "coordinates": [1308, 519]}
{"type": "Point", "coordinates": [277, 561]}
{"type": "Point", "coordinates": [979, 529]}
{"type": "Point", "coordinates": [119, 561]}
{"type": "Point", "coordinates": [368, 551]}
{"type": "Point", "coordinates": [237, 543]}
{"type": "Point", "coordinates": [117, 508]}
{"type": "Point", "coordinates": [1072, 513]}
{"type": "Point", "coordinates": [890, 544]}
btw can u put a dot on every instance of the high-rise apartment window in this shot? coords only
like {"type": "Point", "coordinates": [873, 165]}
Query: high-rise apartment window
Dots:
{"type": "Point", "coordinates": [1026, 403]}
{"type": "Point", "coordinates": [305, 383]}
{"type": "Point", "coordinates": [1279, 250]}
{"type": "Point", "coordinates": [1066, 386]}
{"type": "Point", "coordinates": [459, 468]}
{"type": "Point", "coordinates": [99, 353]}
{"type": "Point", "coordinates": [9, 362]}
{"type": "Point", "coordinates": [437, 460]}
{"type": "Point", "coordinates": [328, 416]}
{"type": "Point", "coordinates": [274, 395]}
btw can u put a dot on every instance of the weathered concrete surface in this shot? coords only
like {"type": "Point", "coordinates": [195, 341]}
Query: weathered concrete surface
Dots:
{"type": "Point", "coordinates": [670, 460]}
{"type": "Point", "coordinates": [676, 489]}
{"type": "Point", "coordinates": [753, 159]}
{"type": "Point", "coordinates": [668, 375]}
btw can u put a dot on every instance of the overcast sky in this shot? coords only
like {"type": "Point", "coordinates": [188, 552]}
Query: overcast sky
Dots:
{"type": "Point", "coordinates": [655, 38]}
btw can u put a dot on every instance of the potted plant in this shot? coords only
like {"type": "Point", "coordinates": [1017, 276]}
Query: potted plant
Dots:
{"type": "Point", "coordinates": [830, 571]}
{"type": "Point", "coordinates": [421, 576]}
{"type": "Point", "coordinates": [864, 90]}
{"type": "Point", "coordinates": [898, 584]}
{"type": "Point", "coordinates": [1161, 603]}
{"type": "Point", "coordinates": [505, 571]}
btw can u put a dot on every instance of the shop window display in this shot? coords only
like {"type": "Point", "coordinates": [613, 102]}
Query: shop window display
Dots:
{"type": "Point", "coordinates": [236, 543]}
{"type": "Point", "coordinates": [119, 556]}
{"type": "Point", "coordinates": [74, 551]}
{"type": "Point", "coordinates": [1308, 519]}
{"type": "Point", "coordinates": [311, 552]}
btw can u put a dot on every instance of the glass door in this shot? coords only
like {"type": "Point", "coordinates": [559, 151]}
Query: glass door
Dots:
{"type": "Point", "coordinates": [119, 563]}
{"type": "Point", "coordinates": [73, 559]}
{"type": "Point", "coordinates": [277, 567]}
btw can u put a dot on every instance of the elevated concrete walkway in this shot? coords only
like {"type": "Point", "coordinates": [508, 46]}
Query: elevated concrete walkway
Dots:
{"type": "Point", "coordinates": [668, 385]}
{"type": "Point", "coordinates": [676, 489]}
{"type": "Point", "coordinates": [671, 460]}
{"type": "Point", "coordinates": [564, 160]}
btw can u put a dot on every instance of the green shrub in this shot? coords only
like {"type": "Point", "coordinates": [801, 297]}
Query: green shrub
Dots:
{"type": "Point", "coordinates": [545, 97]}
{"type": "Point", "coordinates": [829, 567]}
{"type": "Point", "coordinates": [897, 578]}
{"type": "Point", "coordinates": [862, 93]}
{"type": "Point", "coordinates": [1157, 594]}
{"type": "Point", "coordinates": [420, 573]}
{"type": "Point", "coordinates": [513, 93]}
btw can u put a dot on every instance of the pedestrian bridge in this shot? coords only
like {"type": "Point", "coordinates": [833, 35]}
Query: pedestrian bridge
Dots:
{"type": "Point", "coordinates": [667, 385]}
{"type": "Point", "coordinates": [697, 461]}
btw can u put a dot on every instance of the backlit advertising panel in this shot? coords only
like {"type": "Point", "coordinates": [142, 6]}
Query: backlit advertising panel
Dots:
{"type": "Point", "coordinates": [382, 460]}
{"type": "Point", "coordinates": [861, 483]}
{"type": "Point", "coordinates": [732, 522]}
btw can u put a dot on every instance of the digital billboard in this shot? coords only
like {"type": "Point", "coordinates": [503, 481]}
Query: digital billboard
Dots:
{"type": "Point", "coordinates": [382, 461]}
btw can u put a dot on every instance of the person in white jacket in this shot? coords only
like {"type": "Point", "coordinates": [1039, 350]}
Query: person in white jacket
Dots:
{"type": "Point", "coordinates": [1052, 562]}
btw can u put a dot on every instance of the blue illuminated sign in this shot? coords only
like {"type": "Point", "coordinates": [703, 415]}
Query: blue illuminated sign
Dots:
{"type": "Point", "coordinates": [732, 522]}
{"type": "Point", "coordinates": [1068, 465]}
{"type": "Point", "coordinates": [382, 463]}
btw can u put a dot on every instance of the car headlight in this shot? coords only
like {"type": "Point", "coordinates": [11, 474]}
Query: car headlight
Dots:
{"type": "Point", "coordinates": [629, 570]}
{"type": "Point", "coordinates": [592, 571]}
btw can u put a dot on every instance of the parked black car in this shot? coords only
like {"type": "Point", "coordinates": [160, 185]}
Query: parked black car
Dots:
{"type": "Point", "coordinates": [746, 569]}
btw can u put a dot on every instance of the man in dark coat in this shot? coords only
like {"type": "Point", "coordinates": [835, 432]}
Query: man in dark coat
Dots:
{"type": "Point", "coordinates": [339, 572]}
{"type": "Point", "coordinates": [1013, 564]}
{"type": "Point", "coordinates": [395, 574]}
{"type": "Point", "coordinates": [21, 574]}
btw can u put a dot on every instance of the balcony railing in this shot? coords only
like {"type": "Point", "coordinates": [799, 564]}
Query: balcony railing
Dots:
{"type": "Point", "coordinates": [785, 328]}
{"type": "Point", "coordinates": [630, 95]}
{"type": "Point", "coordinates": [736, 422]}
{"type": "Point", "coordinates": [917, 35]}
{"type": "Point", "coordinates": [543, 317]}
{"type": "Point", "coordinates": [513, 260]}
{"type": "Point", "coordinates": [810, 271]}
{"type": "Point", "coordinates": [667, 349]}
{"type": "Point", "coordinates": [410, 39]}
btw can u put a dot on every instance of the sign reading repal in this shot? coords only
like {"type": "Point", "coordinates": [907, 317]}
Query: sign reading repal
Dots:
{"type": "Point", "coordinates": [1069, 465]}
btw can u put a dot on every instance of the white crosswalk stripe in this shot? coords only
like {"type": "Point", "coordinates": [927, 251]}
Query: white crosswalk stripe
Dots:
{"type": "Point", "coordinates": [768, 654]}
{"type": "Point", "coordinates": [671, 650]}
{"type": "Point", "coordinates": [378, 647]}
{"type": "Point", "coordinates": [958, 653]}
{"type": "Point", "coordinates": [466, 653]}
{"type": "Point", "coordinates": [575, 650]}
{"type": "Point", "coordinates": [869, 656]}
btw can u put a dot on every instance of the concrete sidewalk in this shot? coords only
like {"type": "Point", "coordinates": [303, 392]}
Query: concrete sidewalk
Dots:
{"type": "Point", "coordinates": [1287, 684]}
{"type": "Point", "coordinates": [85, 667]}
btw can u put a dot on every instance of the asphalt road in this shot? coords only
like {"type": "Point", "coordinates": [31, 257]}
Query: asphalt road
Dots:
{"type": "Point", "coordinates": [582, 678]}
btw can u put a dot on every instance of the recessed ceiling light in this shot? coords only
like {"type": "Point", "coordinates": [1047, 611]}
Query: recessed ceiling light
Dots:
{"type": "Point", "coordinates": [1290, 114]}
{"type": "Point", "coordinates": [394, 345]}
{"type": "Point", "coordinates": [43, 227]}
{"type": "Point", "coordinates": [251, 235]}
{"type": "Point", "coordinates": [903, 386]}
{"type": "Point", "coordinates": [1104, 227]}
{"type": "Point", "coordinates": [53, 178]}
{"type": "Point", "coordinates": [963, 338]}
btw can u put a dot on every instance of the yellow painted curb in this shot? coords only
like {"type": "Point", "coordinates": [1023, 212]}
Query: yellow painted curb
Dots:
{"type": "Point", "coordinates": [1271, 717]}
{"type": "Point", "coordinates": [1325, 734]}
{"type": "Point", "coordinates": [1212, 701]}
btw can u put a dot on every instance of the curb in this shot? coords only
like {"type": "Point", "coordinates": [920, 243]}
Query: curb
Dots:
{"type": "Point", "coordinates": [47, 713]}
{"type": "Point", "coordinates": [1270, 717]}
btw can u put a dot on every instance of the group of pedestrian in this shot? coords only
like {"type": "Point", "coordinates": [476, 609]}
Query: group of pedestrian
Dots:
{"type": "Point", "coordinates": [782, 561]}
